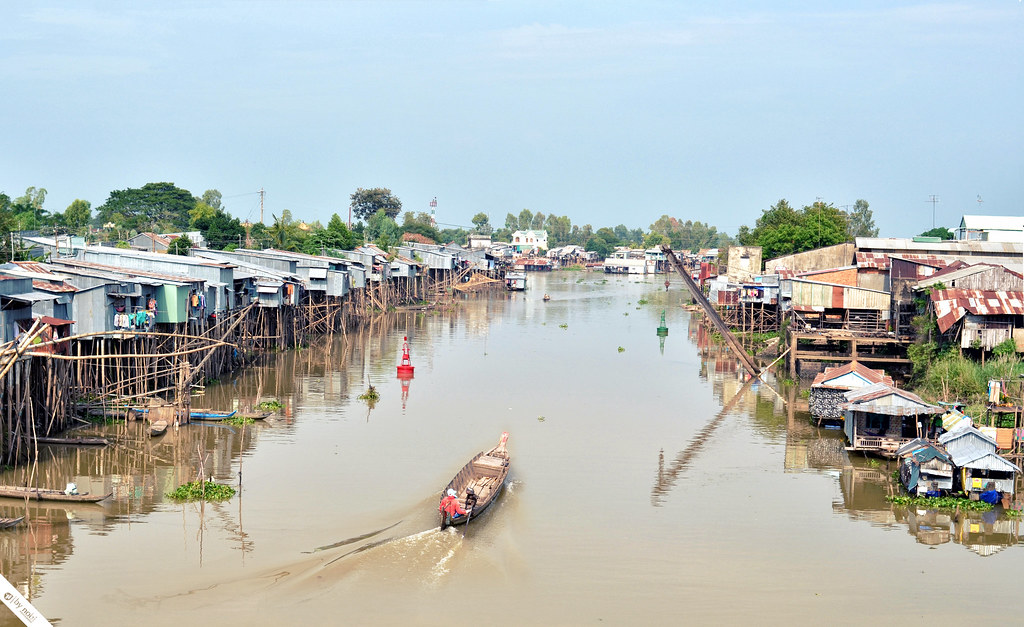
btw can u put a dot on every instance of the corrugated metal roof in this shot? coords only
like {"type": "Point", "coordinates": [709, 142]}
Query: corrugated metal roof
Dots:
{"type": "Point", "coordinates": [129, 272]}
{"type": "Point", "coordinates": [869, 375]}
{"type": "Point", "coordinates": [951, 305]}
{"type": "Point", "coordinates": [966, 430]}
{"type": "Point", "coordinates": [30, 297]}
{"type": "Point", "coordinates": [880, 398]}
{"type": "Point", "coordinates": [922, 450]}
{"type": "Point", "coordinates": [960, 270]}
{"type": "Point", "coordinates": [882, 261]}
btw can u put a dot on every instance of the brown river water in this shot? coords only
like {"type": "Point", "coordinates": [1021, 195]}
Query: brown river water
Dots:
{"type": "Point", "coordinates": [633, 497]}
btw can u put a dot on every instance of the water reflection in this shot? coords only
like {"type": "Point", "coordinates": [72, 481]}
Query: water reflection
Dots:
{"type": "Point", "coordinates": [864, 483]}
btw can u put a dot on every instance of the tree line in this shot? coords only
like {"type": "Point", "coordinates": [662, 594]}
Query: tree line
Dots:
{"type": "Point", "coordinates": [165, 208]}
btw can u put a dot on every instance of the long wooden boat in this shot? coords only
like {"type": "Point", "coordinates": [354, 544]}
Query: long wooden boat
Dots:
{"type": "Point", "coordinates": [7, 523]}
{"type": "Point", "coordinates": [485, 475]}
{"type": "Point", "coordinates": [21, 492]}
{"type": "Point", "coordinates": [74, 441]}
{"type": "Point", "coordinates": [201, 414]}
{"type": "Point", "coordinates": [158, 427]}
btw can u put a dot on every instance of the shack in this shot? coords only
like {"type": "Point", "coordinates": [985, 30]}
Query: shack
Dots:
{"type": "Point", "coordinates": [880, 419]}
{"type": "Point", "coordinates": [979, 467]}
{"type": "Point", "coordinates": [828, 389]}
{"type": "Point", "coordinates": [925, 468]}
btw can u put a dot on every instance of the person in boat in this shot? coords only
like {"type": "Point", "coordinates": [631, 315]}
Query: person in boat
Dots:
{"type": "Point", "coordinates": [450, 505]}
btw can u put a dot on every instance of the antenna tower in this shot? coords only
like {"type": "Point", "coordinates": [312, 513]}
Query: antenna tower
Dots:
{"type": "Point", "coordinates": [934, 200]}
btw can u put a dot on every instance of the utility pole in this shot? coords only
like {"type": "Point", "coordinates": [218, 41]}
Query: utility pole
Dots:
{"type": "Point", "coordinates": [933, 199]}
{"type": "Point", "coordinates": [262, 193]}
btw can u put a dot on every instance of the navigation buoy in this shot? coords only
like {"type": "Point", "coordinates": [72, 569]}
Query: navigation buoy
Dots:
{"type": "Point", "coordinates": [662, 330]}
{"type": "Point", "coordinates": [405, 369]}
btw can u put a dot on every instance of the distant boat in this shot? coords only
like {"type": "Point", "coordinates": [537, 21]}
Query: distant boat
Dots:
{"type": "Point", "coordinates": [546, 297]}
{"type": "Point", "coordinates": [40, 494]}
{"type": "Point", "coordinates": [485, 476]}
{"type": "Point", "coordinates": [515, 281]}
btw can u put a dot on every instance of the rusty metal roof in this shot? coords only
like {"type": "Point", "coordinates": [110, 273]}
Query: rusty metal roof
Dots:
{"type": "Point", "coordinates": [951, 305]}
{"type": "Point", "coordinates": [881, 261]}
{"type": "Point", "coordinates": [872, 400]}
{"type": "Point", "coordinates": [870, 375]}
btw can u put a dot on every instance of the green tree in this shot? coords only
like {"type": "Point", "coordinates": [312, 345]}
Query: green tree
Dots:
{"type": "Point", "coordinates": [367, 202]}
{"type": "Point", "coordinates": [782, 230]}
{"type": "Point", "coordinates": [159, 207]}
{"type": "Point", "coordinates": [459, 236]}
{"type": "Point", "coordinates": [78, 214]}
{"type": "Point", "coordinates": [860, 223]}
{"type": "Point", "coordinates": [326, 241]}
{"type": "Point", "coordinates": [482, 224]}
{"type": "Point", "coordinates": [538, 221]}
{"type": "Point", "coordinates": [180, 245]}
{"type": "Point", "coordinates": [382, 229]}
{"type": "Point", "coordinates": [284, 233]}
{"type": "Point", "coordinates": [599, 245]}
{"type": "Point", "coordinates": [219, 229]}
{"type": "Point", "coordinates": [212, 198]}
{"type": "Point", "coordinates": [425, 230]}
{"type": "Point", "coordinates": [940, 232]}
{"type": "Point", "coordinates": [525, 220]}
{"type": "Point", "coordinates": [558, 228]}
{"type": "Point", "coordinates": [511, 222]}
{"type": "Point", "coordinates": [8, 223]}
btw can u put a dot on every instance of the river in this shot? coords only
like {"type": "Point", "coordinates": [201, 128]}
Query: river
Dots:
{"type": "Point", "coordinates": [633, 497]}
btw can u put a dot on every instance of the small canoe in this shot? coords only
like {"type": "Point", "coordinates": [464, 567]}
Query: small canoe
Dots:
{"type": "Point", "coordinates": [199, 414]}
{"type": "Point", "coordinates": [157, 428]}
{"type": "Point", "coordinates": [7, 523]}
{"type": "Point", "coordinates": [74, 441]}
{"type": "Point", "coordinates": [206, 414]}
{"type": "Point", "coordinates": [20, 492]}
{"type": "Point", "coordinates": [484, 476]}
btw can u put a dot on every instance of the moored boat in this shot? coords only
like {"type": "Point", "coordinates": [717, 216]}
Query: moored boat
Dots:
{"type": "Point", "coordinates": [7, 523]}
{"type": "Point", "coordinates": [484, 476]}
{"type": "Point", "coordinates": [74, 441]}
{"type": "Point", "coordinates": [157, 428]}
{"type": "Point", "coordinates": [42, 494]}
{"type": "Point", "coordinates": [208, 414]}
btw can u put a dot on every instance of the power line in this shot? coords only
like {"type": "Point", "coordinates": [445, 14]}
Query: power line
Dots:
{"type": "Point", "coordinates": [933, 199]}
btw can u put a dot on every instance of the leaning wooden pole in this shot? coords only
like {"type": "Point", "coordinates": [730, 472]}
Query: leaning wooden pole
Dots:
{"type": "Point", "coordinates": [712, 315]}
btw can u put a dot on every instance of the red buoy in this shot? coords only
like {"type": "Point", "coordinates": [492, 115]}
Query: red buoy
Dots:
{"type": "Point", "coordinates": [405, 369]}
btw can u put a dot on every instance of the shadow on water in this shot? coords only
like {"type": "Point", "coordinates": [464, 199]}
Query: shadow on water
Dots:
{"type": "Point", "coordinates": [668, 477]}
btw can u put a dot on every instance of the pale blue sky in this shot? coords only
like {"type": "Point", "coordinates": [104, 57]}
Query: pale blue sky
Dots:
{"type": "Point", "coordinates": [608, 112]}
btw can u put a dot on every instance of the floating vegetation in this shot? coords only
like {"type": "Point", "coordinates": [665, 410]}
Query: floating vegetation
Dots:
{"type": "Point", "coordinates": [622, 350]}
{"type": "Point", "coordinates": [642, 301]}
{"type": "Point", "coordinates": [563, 326]}
{"type": "Point", "coordinates": [939, 502]}
{"type": "Point", "coordinates": [239, 421]}
{"type": "Point", "coordinates": [199, 490]}
{"type": "Point", "coordinates": [370, 395]}
{"type": "Point", "coordinates": [626, 314]}
{"type": "Point", "coordinates": [540, 418]}
{"type": "Point", "coordinates": [271, 405]}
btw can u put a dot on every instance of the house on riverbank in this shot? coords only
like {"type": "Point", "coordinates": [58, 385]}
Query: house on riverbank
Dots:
{"type": "Point", "coordinates": [880, 419]}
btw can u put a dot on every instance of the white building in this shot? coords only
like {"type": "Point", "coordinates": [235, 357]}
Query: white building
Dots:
{"type": "Point", "coordinates": [525, 241]}
{"type": "Point", "coordinates": [991, 228]}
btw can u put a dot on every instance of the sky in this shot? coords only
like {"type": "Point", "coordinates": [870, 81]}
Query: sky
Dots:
{"type": "Point", "coordinates": [607, 112]}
